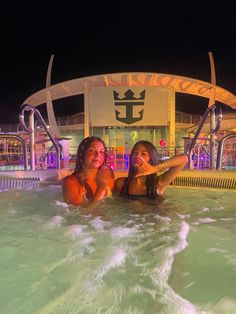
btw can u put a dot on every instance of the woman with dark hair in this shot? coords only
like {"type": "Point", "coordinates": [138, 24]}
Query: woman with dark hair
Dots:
{"type": "Point", "coordinates": [142, 177]}
{"type": "Point", "coordinates": [91, 180]}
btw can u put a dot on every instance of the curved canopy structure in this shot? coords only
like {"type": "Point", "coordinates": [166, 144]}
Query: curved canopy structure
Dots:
{"type": "Point", "coordinates": [181, 84]}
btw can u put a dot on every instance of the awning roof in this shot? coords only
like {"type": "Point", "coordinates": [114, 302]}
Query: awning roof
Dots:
{"type": "Point", "coordinates": [181, 84]}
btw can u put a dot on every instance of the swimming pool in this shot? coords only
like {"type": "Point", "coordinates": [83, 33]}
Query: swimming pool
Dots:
{"type": "Point", "coordinates": [177, 256]}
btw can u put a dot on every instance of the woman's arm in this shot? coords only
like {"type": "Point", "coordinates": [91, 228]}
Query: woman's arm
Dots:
{"type": "Point", "coordinates": [119, 185]}
{"type": "Point", "coordinates": [171, 168]}
{"type": "Point", "coordinates": [174, 166]}
{"type": "Point", "coordinates": [105, 183]}
{"type": "Point", "coordinates": [73, 192]}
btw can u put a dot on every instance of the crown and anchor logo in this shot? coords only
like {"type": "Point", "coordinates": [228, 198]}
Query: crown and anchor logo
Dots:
{"type": "Point", "coordinates": [129, 101]}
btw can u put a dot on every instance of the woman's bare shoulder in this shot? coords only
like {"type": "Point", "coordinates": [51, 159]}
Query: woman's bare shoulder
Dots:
{"type": "Point", "coordinates": [71, 179]}
{"type": "Point", "coordinates": [119, 182]}
{"type": "Point", "coordinates": [121, 179]}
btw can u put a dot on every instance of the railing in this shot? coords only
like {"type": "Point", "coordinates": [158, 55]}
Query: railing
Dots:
{"type": "Point", "coordinates": [6, 128]}
{"type": "Point", "coordinates": [215, 123]}
{"type": "Point", "coordinates": [33, 111]}
{"type": "Point", "coordinates": [182, 117]}
{"type": "Point", "coordinates": [78, 118]}
{"type": "Point", "coordinates": [220, 151]}
{"type": "Point", "coordinates": [200, 157]}
{"type": "Point", "coordinates": [19, 139]}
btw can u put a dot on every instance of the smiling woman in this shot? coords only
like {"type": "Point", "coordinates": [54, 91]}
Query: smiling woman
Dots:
{"type": "Point", "coordinates": [142, 179]}
{"type": "Point", "coordinates": [92, 180]}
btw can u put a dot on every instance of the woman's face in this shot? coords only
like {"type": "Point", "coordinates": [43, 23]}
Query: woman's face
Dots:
{"type": "Point", "coordinates": [95, 155]}
{"type": "Point", "coordinates": [139, 155]}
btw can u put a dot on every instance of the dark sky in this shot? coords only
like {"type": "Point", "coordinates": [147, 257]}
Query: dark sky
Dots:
{"type": "Point", "coordinates": [96, 37]}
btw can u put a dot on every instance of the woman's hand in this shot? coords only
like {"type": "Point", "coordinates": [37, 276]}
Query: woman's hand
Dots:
{"type": "Point", "coordinates": [105, 182]}
{"type": "Point", "coordinates": [105, 178]}
{"type": "Point", "coordinates": [144, 168]}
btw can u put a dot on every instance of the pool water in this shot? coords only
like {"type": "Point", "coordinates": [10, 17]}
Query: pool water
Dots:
{"type": "Point", "coordinates": [177, 255]}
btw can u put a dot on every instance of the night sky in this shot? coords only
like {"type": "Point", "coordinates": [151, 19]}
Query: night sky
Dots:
{"type": "Point", "coordinates": [98, 37]}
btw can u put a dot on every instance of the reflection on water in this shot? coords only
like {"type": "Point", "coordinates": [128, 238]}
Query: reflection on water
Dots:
{"type": "Point", "coordinates": [174, 255]}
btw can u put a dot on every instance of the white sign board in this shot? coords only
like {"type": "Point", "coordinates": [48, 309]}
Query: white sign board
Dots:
{"type": "Point", "coordinates": [129, 106]}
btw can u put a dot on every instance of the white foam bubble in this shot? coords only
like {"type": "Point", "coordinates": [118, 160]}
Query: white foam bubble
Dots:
{"type": "Point", "coordinates": [61, 204]}
{"type": "Point", "coordinates": [225, 219]}
{"type": "Point", "coordinates": [183, 233]}
{"type": "Point", "coordinates": [219, 208]}
{"type": "Point", "coordinates": [87, 240]}
{"type": "Point", "coordinates": [161, 218]}
{"type": "Point", "coordinates": [75, 231]}
{"type": "Point", "coordinates": [183, 216]}
{"type": "Point", "coordinates": [206, 220]}
{"type": "Point", "coordinates": [174, 302]}
{"type": "Point", "coordinates": [121, 232]}
{"type": "Point", "coordinates": [98, 224]}
{"type": "Point", "coordinates": [189, 285]}
{"type": "Point", "coordinates": [117, 259]}
{"type": "Point", "coordinates": [231, 259]}
{"type": "Point", "coordinates": [56, 221]}
{"type": "Point", "coordinates": [205, 209]}
{"type": "Point", "coordinates": [225, 305]}
{"type": "Point", "coordinates": [165, 229]}
{"type": "Point", "coordinates": [216, 250]}
{"type": "Point", "coordinates": [162, 273]}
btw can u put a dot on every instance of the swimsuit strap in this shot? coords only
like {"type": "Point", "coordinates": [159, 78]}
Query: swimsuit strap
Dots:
{"type": "Point", "coordinates": [84, 191]}
{"type": "Point", "coordinates": [80, 179]}
{"type": "Point", "coordinates": [108, 192]}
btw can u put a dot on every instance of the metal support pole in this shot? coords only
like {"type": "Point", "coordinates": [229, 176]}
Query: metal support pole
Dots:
{"type": "Point", "coordinates": [212, 139]}
{"type": "Point", "coordinates": [32, 140]}
{"type": "Point", "coordinates": [86, 112]}
{"type": "Point", "coordinates": [154, 137]}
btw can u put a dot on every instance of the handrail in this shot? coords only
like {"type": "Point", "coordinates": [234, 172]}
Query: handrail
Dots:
{"type": "Point", "coordinates": [18, 138]}
{"type": "Point", "coordinates": [210, 110]}
{"type": "Point", "coordinates": [203, 148]}
{"type": "Point", "coordinates": [35, 111]}
{"type": "Point", "coordinates": [220, 150]}
{"type": "Point", "coordinates": [199, 129]}
{"type": "Point", "coordinates": [218, 121]}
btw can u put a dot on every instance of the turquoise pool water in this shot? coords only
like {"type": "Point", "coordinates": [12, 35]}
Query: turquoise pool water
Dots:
{"type": "Point", "coordinates": [177, 256]}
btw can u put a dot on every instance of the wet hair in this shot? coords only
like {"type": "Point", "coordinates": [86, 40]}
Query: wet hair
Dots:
{"type": "Point", "coordinates": [151, 179]}
{"type": "Point", "coordinates": [82, 149]}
